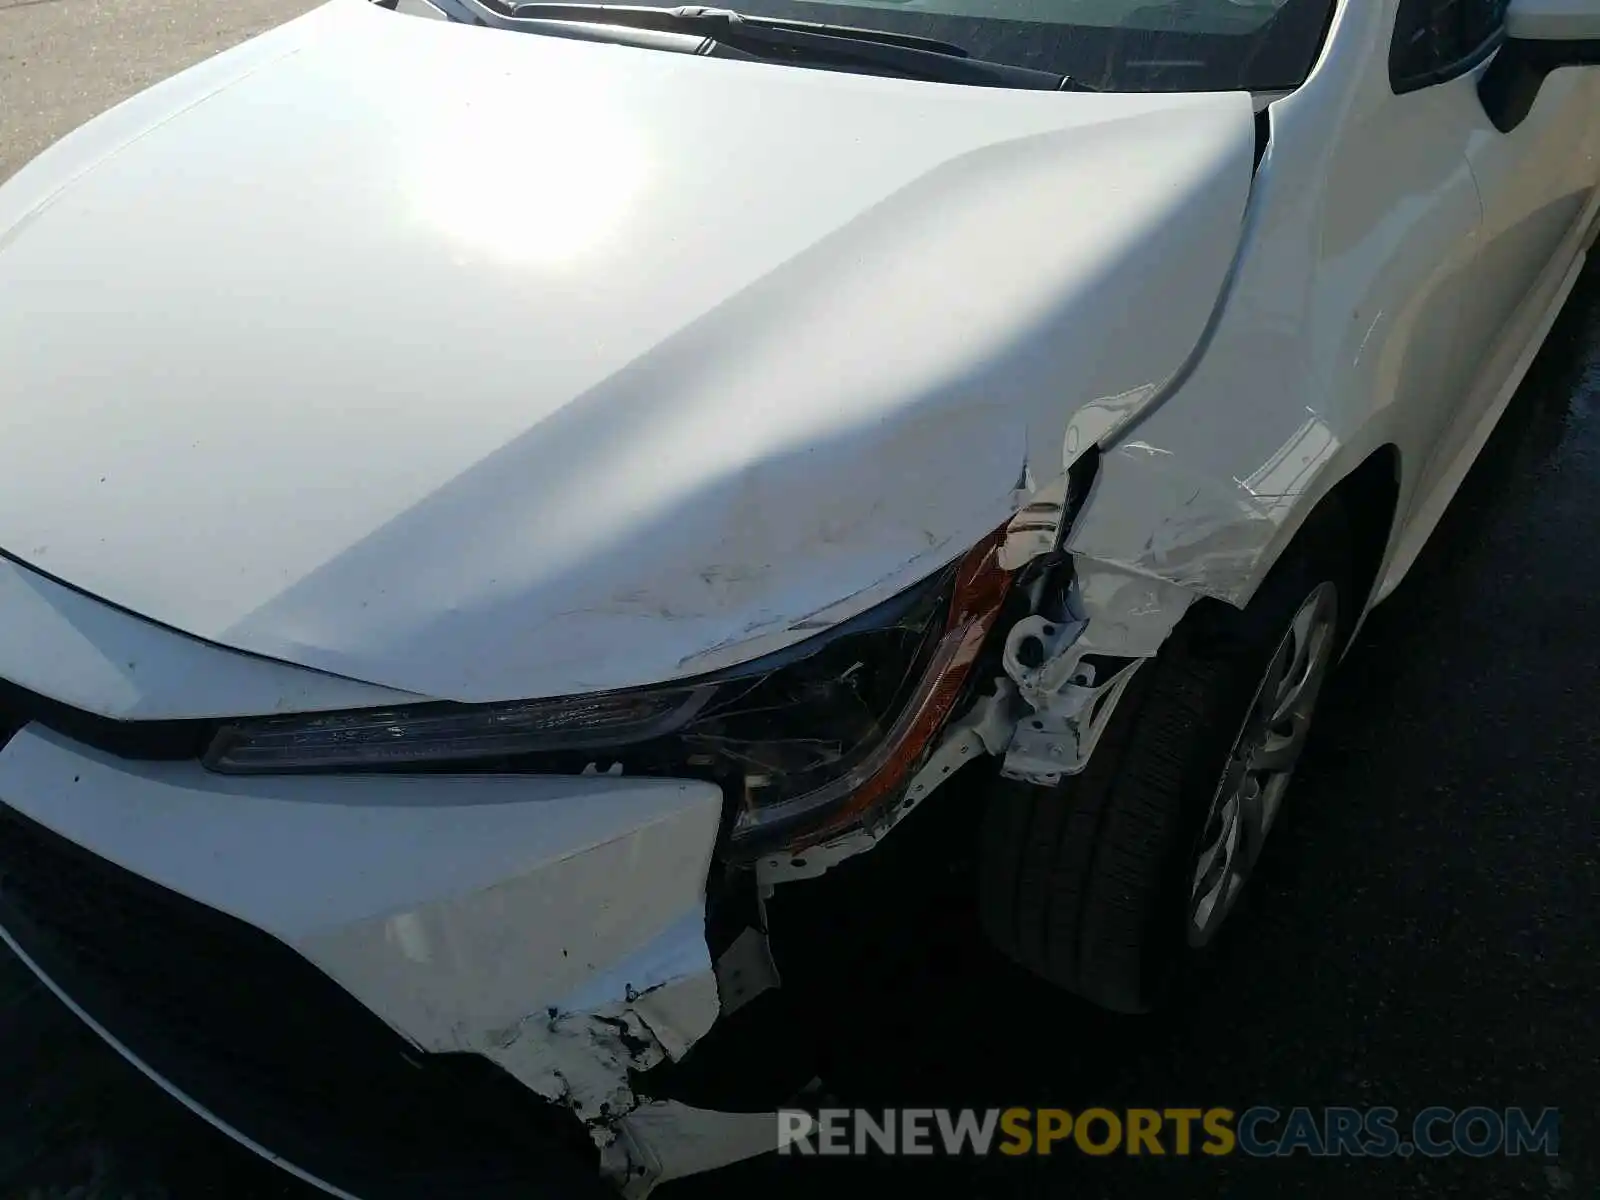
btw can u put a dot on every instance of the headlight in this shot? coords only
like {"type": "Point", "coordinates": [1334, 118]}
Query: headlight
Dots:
{"type": "Point", "coordinates": [812, 737]}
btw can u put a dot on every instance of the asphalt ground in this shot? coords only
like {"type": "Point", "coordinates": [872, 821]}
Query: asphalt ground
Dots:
{"type": "Point", "coordinates": [1422, 931]}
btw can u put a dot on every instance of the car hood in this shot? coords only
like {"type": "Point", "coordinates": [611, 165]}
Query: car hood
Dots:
{"type": "Point", "coordinates": [483, 365]}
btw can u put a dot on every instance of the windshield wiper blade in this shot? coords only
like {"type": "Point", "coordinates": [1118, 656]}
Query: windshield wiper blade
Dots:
{"type": "Point", "coordinates": [698, 19]}
{"type": "Point", "coordinates": [806, 41]}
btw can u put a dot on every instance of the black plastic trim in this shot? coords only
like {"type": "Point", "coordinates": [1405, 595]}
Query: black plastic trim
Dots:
{"type": "Point", "coordinates": [1511, 85]}
{"type": "Point", "coordinates": [1455, 70]}
{"type": "Point", "coordinates": [147, 740]}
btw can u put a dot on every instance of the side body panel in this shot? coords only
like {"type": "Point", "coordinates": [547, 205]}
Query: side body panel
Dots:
{"type": "Point", "coordinates": [1351, 325]}
{"type": "Point", "coordinates": [1538, 188]}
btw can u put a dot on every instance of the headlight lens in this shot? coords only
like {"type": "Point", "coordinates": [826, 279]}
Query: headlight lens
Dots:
{"type": "Point", "coordinates": [813, 736]}
{"type": "Point", "coordinates": [371, 738]}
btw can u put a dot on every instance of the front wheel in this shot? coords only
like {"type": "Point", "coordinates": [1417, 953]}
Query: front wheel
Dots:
{"type": "Point", "coordinates": [1107, 882]}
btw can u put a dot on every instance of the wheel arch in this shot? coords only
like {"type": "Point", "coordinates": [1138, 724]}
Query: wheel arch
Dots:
{"type": "Point", "coordinates": [1369, 497]}
{"type": "Point", "coordinates": [1365, 500]}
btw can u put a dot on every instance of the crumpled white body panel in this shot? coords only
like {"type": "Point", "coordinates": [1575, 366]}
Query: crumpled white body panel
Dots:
{"type": "Point", "coordinates": [477, 913]}
{"type": "Point", "coordinates": [483, 365]}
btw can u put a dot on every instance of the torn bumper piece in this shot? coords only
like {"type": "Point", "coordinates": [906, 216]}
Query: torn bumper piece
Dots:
{"type": "Point", "coordinates": [438, 962]}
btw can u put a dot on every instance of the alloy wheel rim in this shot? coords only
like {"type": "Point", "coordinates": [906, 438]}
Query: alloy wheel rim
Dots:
{"type": "Point", "coordinates": [1261, 763]}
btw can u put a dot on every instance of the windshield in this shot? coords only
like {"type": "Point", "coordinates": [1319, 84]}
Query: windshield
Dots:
{"type": "Point", "coordinates": [1114, 45]}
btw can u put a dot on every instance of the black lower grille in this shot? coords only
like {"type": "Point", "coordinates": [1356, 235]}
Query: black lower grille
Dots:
{"type": "Point", "coordinates": [254, 1033]}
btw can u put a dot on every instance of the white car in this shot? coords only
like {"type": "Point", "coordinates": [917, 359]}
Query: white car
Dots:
{"type": "Point", "coordinates": [490, 494]}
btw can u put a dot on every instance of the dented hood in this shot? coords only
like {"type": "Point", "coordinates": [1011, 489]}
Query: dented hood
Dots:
{"type": "Point", "coordinates": [484, 365]}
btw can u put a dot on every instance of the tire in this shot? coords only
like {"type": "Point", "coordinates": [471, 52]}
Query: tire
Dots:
{"type": "Point", "coordinates": [1092, 883]}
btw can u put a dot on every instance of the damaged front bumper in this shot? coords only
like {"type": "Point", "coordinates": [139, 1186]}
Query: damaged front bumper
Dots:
{"type": "Point", "coordinates": [388, 955]}
{"type": "Point", "coordinates": [551, 931]}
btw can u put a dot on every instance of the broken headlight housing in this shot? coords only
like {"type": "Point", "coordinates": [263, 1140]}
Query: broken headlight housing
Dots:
{"type": "Point", "coordinates": [802, 742]}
